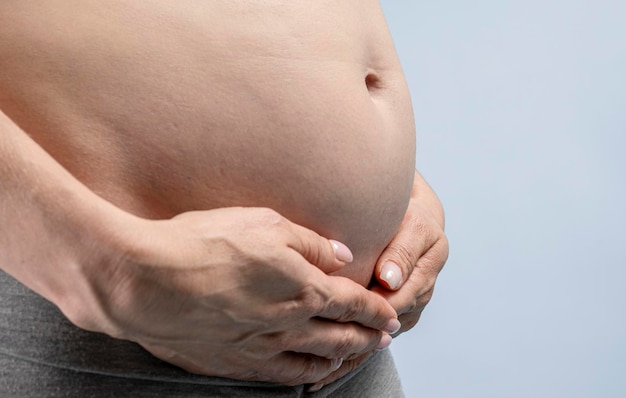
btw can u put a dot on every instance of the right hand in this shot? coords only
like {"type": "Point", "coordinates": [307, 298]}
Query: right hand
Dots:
{"type": "Point", "coordinates": [240, 293]}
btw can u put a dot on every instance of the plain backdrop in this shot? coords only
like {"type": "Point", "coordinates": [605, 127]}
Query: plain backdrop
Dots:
{"type": "Point", "coordinates": [521, 127]}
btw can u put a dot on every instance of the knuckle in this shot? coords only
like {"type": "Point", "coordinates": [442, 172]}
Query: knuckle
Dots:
{"type": "Point", "coordinates": [404, 255]}
{"type": "Point", "coordinates": [444, 250]}
{"type": "Point", "coordinates": [422, 229]}
{"type": "Point", "coordinates": [350, 366]}
{"type": "Point", "coordinates": [317, 252]}
{"type": "Point", "coordinates": [344, 345]}
{"type": "Point", "coordinates": [262, 218]}
{"type": "Point", "coordinates": [307, 372]}
{"type": "Point", "coordinates": [444, 242]}
{"type": "Point", "coordinates": [414, 305]}
{"type": "Point", "coordinates": [350, 312]}
{"type": "Point", "coordinates": [419, 302]}
{"type": "Point", "coordinates": [272, 227]}
{"type": "Point", "coordinates": [267, 212]}
{"type": "Point", "coordinates": [435, 258]}
{"type": "Point", "coordinates": [279, 342]}
{"type": "Point", "coordinates": [411, 307]}
{"type": "Point", "coordinates": [269, 217]}
{"type": "Point", "coordinates": [312, 300]}
{"type": "Point", "coordinates": [424, 299]}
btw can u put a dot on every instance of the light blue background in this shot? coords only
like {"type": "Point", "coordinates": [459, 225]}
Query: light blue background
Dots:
{"type": "Point", "coordinates": [521, 123]}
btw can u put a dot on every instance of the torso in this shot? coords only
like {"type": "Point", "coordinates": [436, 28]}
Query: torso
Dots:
{"type": "Point", "coordinates": [163, 107]}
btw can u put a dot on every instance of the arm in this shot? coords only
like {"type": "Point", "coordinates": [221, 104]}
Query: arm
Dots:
{"type": "Point", "coordinates": [46, 216]}
{"type": "Point", "coordinates": [192, 290]}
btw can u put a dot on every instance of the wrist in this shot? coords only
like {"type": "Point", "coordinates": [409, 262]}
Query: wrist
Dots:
{"type": "Point", "coordinates": [57, 236]}
{"type": "Point", "coordinates": [91, 241]}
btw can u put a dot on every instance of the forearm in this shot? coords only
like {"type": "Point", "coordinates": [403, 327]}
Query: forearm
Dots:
{"type": "Point", "coordinates": [48, 218]}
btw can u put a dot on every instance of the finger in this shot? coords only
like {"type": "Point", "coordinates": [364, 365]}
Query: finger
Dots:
{"type": "Point", "coordinates": [291, 368]}
{"type": "Point", "coordinates": [410, 300]}
{"type": "Point", "coordinates": [413, 295]}
{"type": "Point", "coordinates": [346, 301]}
{"type": "Point", "coordinates": [330, 339]}
{"type": "Point", "coordinates": [346, 367]}
{"type": "Point", "coordinates": [286, 367]}
{"type": "Point", "coordinates": [409, 320]}
{"type": "Point", "coordinates": [397, 261]}
{"type": "Point", "coordinates": [327, 255]}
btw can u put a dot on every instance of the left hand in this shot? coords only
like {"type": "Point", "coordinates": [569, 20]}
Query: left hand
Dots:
{"type": "Point", "coordinates": [419, 251]}
{"type": "Point", "coordinates": [407, 269]}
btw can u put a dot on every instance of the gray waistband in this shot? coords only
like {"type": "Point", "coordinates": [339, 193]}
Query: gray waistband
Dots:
{"type": "Point", "coordinates": [33, 329]}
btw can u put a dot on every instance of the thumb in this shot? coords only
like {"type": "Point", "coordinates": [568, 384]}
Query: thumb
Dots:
{"type": "Point", "coordinates": [326, 254]}
{"type": "Point", "coordinates": [398, 260]}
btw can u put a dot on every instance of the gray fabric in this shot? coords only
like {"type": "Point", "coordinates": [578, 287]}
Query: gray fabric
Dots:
{"type": "Point", "coordinates": [44, 355]}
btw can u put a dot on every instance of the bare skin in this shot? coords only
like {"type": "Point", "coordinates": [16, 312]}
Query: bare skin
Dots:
{"type": "Point", "coordinates": [415, 256]}
{"type": "Point", "coordinates": [144, 144]}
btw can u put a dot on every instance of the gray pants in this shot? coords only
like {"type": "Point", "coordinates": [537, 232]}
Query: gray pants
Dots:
{"type": "Point", "coordinates": [43, 355]}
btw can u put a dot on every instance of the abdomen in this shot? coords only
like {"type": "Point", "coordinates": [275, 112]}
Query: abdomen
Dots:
{"type": "Point", "coordinates": [185, 109]}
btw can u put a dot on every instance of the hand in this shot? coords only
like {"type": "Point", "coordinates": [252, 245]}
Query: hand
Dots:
{"type": "Point", "coordinates": [239, 293]}
{"type": "Point", "coordinates": [417, 254]}
{"type": "Point", "coordinates": [408, 268]}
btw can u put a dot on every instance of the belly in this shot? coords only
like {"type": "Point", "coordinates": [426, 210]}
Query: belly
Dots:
{"type": "Point", "coordinates": [165, 108]}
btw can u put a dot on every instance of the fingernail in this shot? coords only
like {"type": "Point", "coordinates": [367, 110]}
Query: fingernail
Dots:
{"type": "Point", "coordinates": [336, 363]}
{"type": "Point", "coordinates": [315, 387]}
{"type": "Point", "coordinates": [341, 251]}
{"type": "Point", "coordinates": [385, 341]}
{"type": "Point", "coordinates": [392, 274]}
{"type": "Point", "coordinates": [392, 326]}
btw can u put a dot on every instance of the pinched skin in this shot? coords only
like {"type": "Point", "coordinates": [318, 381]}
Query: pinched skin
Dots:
{"type": "Point", "coordinates": [164, 107]}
